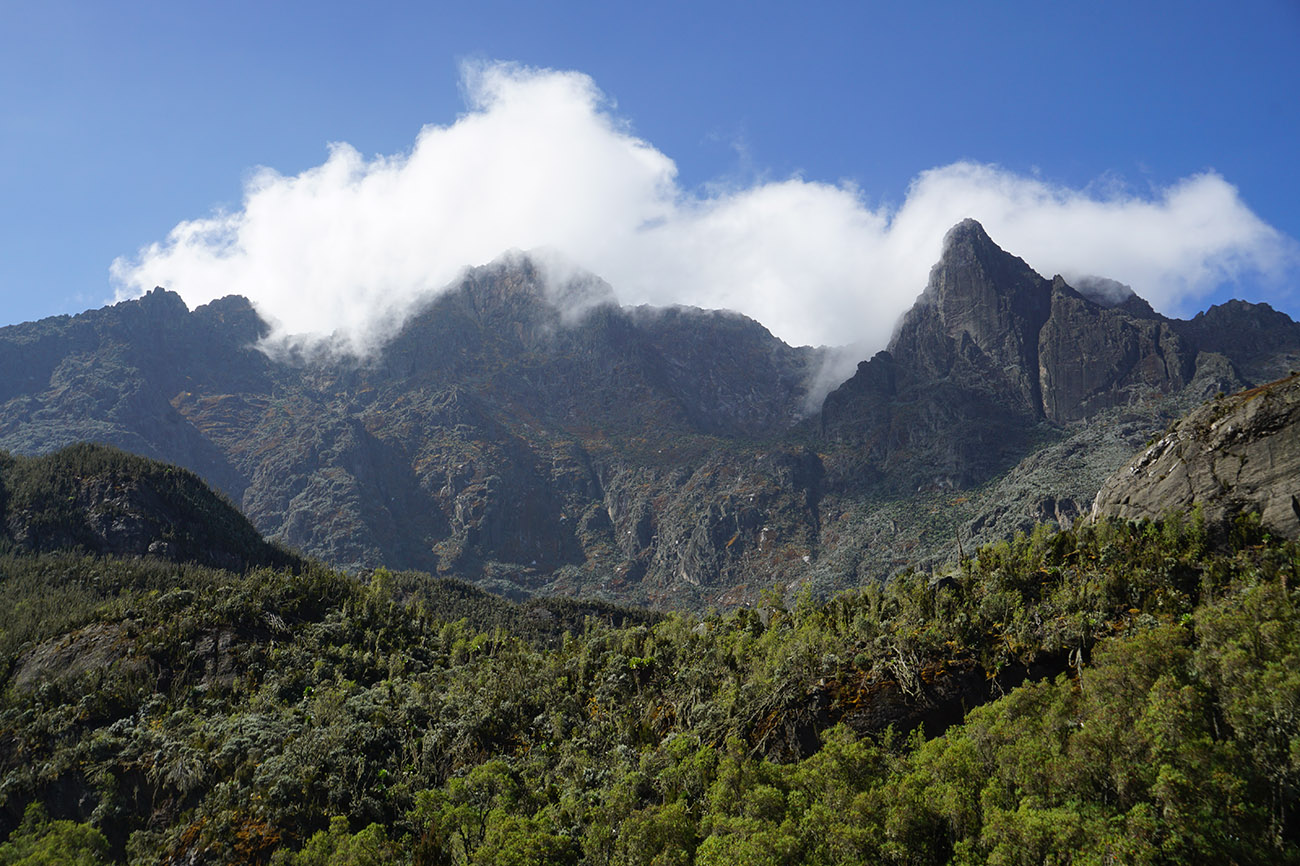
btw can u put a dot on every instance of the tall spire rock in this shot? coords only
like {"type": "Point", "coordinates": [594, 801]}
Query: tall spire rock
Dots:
{"type": "Point", "coordinates": [989, 351]}
{"type": "Point", "coordinates": [956, 397]}
{"type": "Point", "coordinates": [980, 315]}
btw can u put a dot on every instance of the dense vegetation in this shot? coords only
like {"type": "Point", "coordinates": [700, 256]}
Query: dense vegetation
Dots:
{"type": "Point", "coordinates": [97, 499]}
{"type": "Point", "coordinates": [1109, 694]}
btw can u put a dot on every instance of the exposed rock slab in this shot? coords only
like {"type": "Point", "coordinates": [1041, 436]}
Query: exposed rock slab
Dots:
{"type": "Point", "coordinates": [1233, 455]}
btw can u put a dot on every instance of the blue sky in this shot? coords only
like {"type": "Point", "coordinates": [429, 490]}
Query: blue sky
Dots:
{"type": "Point", "coordinates": [120, 121]}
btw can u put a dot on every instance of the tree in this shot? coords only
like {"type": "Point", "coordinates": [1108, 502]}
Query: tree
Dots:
{"type": "Point", "coordinates": [38, 841]}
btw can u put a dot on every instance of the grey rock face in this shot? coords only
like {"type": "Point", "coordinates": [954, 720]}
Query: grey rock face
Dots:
{"type": "Point", "coordinates": [991, 354]}
{"type": "Point", "coordinates": [979, 318]}
{"type": "Point", "coordinates": [1093, 358]}
{"type": "Point", "coordinates": [954, 399]}
{"type": "Point", "coordinates": [993, 358]}
{"type": "Point", "coordinates": [1233, 455]}
{"type": "Point", "coordinates": [528, 436]}
{"type": "Point", "coordinates": [1262, 343]}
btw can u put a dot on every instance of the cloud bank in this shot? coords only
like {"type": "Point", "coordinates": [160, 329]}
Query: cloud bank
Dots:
{"type": "Point", "coordinates": [541, 160]}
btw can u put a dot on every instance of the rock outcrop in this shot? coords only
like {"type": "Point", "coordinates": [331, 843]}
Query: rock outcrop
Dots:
{"type": "Point", "coordinates": [1234, 455]}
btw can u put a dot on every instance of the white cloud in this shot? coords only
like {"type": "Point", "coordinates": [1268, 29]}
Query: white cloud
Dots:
{"type": "Point", "coordinates": [1173, 247]}
{"type": "Point", "coordinates": [541, 160]}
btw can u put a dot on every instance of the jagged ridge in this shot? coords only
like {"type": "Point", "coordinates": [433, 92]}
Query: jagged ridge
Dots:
{"type": "Point", "coordinates": [544, 440]}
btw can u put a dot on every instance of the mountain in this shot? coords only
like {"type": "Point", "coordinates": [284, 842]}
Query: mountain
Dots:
{"type": "Point", "coordinates": [1006, 399]}
{"type": "Point", "coordinates": [991, 350]}
{"type": "Point", "coordinates": [500, 435]}
{"type": "Point", "coordinates": [536, 438]}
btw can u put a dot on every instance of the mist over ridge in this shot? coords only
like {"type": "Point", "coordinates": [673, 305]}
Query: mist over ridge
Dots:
{"type": "Point", "coordinates": [542, 161]}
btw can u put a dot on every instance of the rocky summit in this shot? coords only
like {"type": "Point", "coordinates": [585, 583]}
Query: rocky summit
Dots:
{"type": "Point", "coordinates": [537, 438]}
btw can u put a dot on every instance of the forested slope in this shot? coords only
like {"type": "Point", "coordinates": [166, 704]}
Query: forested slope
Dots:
{"type": "Point", "coordinates": [1117, 693]}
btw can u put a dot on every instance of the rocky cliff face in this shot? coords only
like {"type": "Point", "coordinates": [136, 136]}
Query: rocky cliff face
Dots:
{"type": "Point", "coordinates": [993, 357]}
{"type": "Point", "coordinates": [1263, 343]}
{"type": "Point", "coordinates": [532, 437]}
{"type": "Point", "coordinates": [538, 438]}
{"type": "Point", "coordinates": [1094, 358]}
{"type": "Point", "coordinates": [977, 321]}
{"type": "Point", "coordinates": [1234, 455]}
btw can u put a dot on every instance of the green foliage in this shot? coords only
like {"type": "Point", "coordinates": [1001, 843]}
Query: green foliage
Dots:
{"type": "Point", "coordinates": [80, 497]}
{"type": "Point", "coordinates": [337, 847]}
{"type": "Point", "coordinates": [1113, 694]}
{"type": "Point", "coordinates": [38, 841]}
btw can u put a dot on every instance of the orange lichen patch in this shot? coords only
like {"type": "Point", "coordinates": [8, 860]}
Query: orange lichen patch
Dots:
{"type": "Point", "coordinates": [768, 725]}
{"type": "Point", "coordinates": [255, 841]}
{"type": "Point", "coordinates": [189, 840]}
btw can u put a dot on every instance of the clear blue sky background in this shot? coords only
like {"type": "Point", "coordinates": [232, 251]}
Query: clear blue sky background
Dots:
{"type": "Point", "coordinates": [118, 120]}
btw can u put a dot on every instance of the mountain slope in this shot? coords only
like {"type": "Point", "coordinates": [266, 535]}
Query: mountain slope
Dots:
{"type": "Point", "coordinates": [536, 438]}
{"type": "Point", "coordinates": [1060, 690]}
{"type": "Point", "coordinates": [99, 500]}
{"type": "Point", "coordinates": [501, 434]}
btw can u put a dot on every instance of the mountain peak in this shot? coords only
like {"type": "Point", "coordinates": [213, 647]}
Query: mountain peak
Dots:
{"type": "Point", "coordinates": [234, 314]}
{"type": "Point", "coordinates": [983, 305]}
{"type": "Point", "coordinates": [160, 302]}
{"type": "Point", "coordinates": [969, 231]}
{"type": "Point", "coordinates": [971, 261]}
{"type": "Point", "coordinates": [539, 275]}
